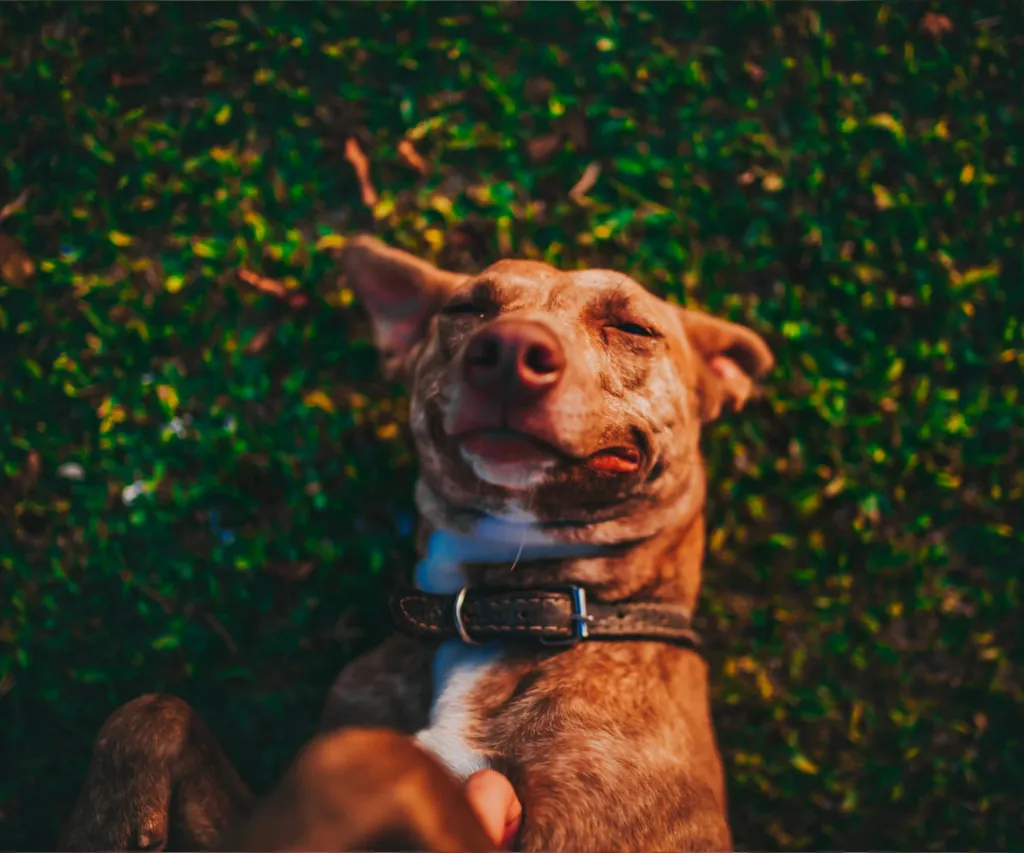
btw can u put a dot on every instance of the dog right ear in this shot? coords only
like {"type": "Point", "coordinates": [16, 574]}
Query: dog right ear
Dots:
{"type": "Point", "coordinates": [732, 357]}
{"type": "Point", "coordinates": [401, 293]}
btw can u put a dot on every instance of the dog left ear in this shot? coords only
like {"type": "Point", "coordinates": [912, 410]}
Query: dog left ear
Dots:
{"type": "Point", "coordinates": [732, 357]}
{"type": "Point", "coordinates": [400, 292]}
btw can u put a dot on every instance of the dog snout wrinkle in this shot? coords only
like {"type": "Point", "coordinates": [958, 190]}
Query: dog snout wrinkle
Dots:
{"type": "Point", "coordinates": [519, 361]}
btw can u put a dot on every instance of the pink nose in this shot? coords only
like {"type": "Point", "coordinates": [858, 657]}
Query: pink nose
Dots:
{"type": "Point", "coordinates": [517, 360]}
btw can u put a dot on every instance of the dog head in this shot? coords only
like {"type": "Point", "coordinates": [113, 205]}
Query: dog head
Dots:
{"type": "Point", "coordinates": [571, 400]}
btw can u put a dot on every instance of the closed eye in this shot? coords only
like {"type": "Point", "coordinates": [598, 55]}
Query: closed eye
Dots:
{"type": "Point", "coordinates": [463, 308]}
{"type": "Point", "coordinates": [636, 329]}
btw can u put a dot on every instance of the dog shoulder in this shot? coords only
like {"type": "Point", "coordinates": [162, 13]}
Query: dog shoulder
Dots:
{"type": "Point", "coordinates": [391, 685]}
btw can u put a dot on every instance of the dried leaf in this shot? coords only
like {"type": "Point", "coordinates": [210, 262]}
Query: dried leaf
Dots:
{"type": "Point", "coordinates": [16, 206]}
{"type": "Point", "coordinates": [935, 24]}
{"type": "Point", "coordinates": [260, 340]}
{"type": "Point", "coordinates": [574, 126]}
{"type": "Point", "coordinates": [354, 154]}
{"type": "Point", "coordinates": [538, 89]}
{"type": "Point", "coordinates": [221, 631]}
{"type": "Point", "coordinates": [30, 470]}
{"type": "Point", "coordinates": [16, 267]}
{"type": "Point", "coordinates": [541, 148]}
{"type": "Point", "coordinates": [586, 182]}
{"type": "Point", "coordinates": [408, 154]}
{"type": "Point", "coordinates": [264, 284]}
{"type": "Point", "coordinates": [119, 81]}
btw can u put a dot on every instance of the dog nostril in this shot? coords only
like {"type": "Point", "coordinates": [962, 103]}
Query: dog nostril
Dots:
{"type": "Point", "coordinates": [542, 360]}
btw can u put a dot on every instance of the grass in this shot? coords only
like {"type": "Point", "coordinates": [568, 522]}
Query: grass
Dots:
{"type": "Point", "coordinates": [208, 484]}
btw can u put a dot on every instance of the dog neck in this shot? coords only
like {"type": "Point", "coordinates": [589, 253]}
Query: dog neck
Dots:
{"type": "Point", "coordinates": [451, 558]}
{"type": "Point", "coordinates": [518, 553]}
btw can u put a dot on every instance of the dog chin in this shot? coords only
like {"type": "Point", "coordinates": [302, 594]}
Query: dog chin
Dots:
{"type": "Point", "coordinates": [516, 476]}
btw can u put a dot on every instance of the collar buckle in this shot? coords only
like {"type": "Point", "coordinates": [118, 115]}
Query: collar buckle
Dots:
{"type": "Point", "coordinates": [581, 619]}
{"type": "Point", "coordinates": [460, 626]}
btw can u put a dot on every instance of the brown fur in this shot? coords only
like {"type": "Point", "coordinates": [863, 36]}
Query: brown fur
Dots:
{"type": "Point", "coordinates": [390, 684]}
{"type": "Point", "coordinates": [610, 746]}
{"type": "Point", "coordinates": [158, 777]}
{"type": "Point", "coordinates": [362, 789]}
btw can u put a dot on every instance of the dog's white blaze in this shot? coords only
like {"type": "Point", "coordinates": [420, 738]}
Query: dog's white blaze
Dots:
{"type": "Point", "coordinates": [458, 668]}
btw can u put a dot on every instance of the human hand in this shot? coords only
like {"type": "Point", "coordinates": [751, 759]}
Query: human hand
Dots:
{"type": "Point", "coordinates": [496, 805]}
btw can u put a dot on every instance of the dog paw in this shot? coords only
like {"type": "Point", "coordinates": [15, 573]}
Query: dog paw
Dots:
{"type": "Point", "coordinates": [129, 814]}
{"type": "Point", "coordinates": [128, 834]}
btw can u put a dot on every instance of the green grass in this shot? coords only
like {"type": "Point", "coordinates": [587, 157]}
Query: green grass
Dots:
{"type": "Point", "coordinates": [844, 177]}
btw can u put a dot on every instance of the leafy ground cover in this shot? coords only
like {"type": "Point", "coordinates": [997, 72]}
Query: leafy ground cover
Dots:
{"type": "Point", "coordinates": [207, 485]}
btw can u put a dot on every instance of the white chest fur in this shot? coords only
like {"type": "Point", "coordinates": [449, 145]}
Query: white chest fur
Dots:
{"type": "Point", "coordinates": [458, 668]}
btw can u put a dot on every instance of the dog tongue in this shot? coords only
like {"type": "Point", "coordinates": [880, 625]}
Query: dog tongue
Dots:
{"type": "Point", "coordinates": [615, 460]}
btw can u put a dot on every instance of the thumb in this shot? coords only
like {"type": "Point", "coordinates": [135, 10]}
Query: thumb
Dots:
{"type": "Point", "coordinates": [495, 803]}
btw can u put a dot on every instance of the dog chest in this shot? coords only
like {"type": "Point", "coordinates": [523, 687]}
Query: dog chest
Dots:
{"type": "Point", "coordinates": [458, 670]}
{"type": "Point", "coordinates": [459, 667]}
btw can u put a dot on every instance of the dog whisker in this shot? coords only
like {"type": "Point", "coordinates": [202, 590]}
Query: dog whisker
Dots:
{"type": "Point", "coordinates": [519, 553]}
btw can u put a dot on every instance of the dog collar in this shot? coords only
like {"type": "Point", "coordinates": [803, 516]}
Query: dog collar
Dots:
{"type": "Point", "coordinates": [558, 616]}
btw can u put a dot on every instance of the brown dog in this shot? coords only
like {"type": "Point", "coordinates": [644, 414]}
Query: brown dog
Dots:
{"type": "Point", "coordinates": [557, 417]}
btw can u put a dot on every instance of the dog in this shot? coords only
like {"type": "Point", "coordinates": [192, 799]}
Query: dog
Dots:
{"type": "Point", "coordinates": [557, 418]}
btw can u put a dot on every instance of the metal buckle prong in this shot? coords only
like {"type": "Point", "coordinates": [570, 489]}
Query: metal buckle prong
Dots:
{"type": "Point", "coordinates": [460, 626]}
{"type": "Point", "coordinates": [580, 619]}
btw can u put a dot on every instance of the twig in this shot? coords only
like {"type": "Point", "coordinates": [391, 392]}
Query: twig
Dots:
{"type": "Point", "coordinates": [222, 632]}
{"type": "Point", "coordinates": [16, 206]}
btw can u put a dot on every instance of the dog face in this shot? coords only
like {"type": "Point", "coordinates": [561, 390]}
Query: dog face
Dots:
{"type": "Point", "coordinates": [569, 399]}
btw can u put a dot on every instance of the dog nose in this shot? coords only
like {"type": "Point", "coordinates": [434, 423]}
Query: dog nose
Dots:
{"type": "Point", "coordinates": [517, 359]}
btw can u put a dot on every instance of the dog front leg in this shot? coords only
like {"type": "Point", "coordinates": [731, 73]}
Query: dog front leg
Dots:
{"type": "Point", "coordinates": [363, 783]}
{"type": "Point", "coordinates": [362, 789]}
{"type": "Point", "coordinates": [158, 779]}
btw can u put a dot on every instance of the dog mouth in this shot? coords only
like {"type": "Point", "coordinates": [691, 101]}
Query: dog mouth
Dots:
{"type": "Point", "coordinates": [506, 446]}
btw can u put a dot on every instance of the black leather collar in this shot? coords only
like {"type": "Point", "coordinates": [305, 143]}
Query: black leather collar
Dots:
{"type": "Point", "coordinates": [555, 616]}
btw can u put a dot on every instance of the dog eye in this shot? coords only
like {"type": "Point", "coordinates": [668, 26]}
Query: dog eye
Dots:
{"type": "Point", "coordinates": [456, 309]}
{"type": "Point", "coordinates": [635, 329]}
